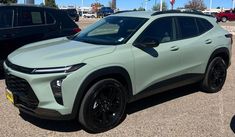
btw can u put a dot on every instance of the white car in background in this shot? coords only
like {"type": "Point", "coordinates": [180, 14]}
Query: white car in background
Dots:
{"type": "Point", "coordinates": [89, 15]}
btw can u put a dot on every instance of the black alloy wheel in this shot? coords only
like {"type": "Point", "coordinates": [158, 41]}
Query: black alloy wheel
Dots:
{"type": "Point", "coordinates": [215, 76]}
{"type": "Point", "coordinates": [103, 106]}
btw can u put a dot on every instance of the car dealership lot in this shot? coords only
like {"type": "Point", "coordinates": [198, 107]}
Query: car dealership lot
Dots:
{"type": "Point", "coordinates": [180, 112]}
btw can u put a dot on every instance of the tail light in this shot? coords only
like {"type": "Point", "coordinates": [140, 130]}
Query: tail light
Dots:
{"type": "Point", "coordinates": [76, 30]}
{"type": "Point", "coordinates": [230, 36]}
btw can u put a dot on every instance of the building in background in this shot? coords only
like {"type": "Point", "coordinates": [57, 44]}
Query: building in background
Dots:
{"type": "Point", "coordinates": [29, 2]}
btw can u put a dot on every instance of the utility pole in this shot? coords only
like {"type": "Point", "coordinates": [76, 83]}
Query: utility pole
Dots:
{"type": "Point", "coordinates": [82, 3]}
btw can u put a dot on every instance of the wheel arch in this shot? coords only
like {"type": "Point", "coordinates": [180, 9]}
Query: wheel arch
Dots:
{"type": "Point", "coordinates": [220, 52]}
{"type": "Point", "coordinates": [118, 73]}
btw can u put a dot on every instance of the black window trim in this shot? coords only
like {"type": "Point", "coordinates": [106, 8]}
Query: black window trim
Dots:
{"type": "Point", "coordinates": [45, 18]}
{"type": "Point", "coordinates": [40, 10]}
{"type": "Point", "coordinates": [198, 33]}
{"type": "Point", "coordinates": [198, 27]}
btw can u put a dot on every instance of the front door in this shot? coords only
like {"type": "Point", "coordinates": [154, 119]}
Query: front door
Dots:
{"type": "Point", "coordinates": [160, 63]}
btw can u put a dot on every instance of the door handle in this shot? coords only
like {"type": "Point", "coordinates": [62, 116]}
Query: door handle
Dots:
{"type": "Point", "coordinates": [208, 41]}
{"type": "Point", "coordinates": [174, 48]}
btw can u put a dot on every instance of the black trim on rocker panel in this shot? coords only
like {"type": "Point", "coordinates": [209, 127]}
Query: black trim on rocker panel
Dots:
{"type": "Point", "coordinates": [167, 85]}
{"type": "Point", "coordinates": [99, 74]}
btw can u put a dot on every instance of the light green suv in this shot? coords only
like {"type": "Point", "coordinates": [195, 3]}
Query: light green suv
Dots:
{"type": "Point", "coordinates": [124, 57]}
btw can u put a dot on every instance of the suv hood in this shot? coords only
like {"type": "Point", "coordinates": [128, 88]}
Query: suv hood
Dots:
{"type": "Point", "coordinates": [56, 53]}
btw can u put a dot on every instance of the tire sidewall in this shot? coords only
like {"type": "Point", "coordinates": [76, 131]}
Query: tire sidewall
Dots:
{"type": "Point", "coordinates": [205, 84]}
{"type": "Point", "coordinates": [83, 116]}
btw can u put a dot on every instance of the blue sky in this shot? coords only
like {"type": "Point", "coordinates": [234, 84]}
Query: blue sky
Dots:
{"type": "Point", "coordinates": [131, 4]}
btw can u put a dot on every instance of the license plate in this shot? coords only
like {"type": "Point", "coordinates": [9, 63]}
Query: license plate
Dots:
{"type": "Point", "coordinates": [9, 96]}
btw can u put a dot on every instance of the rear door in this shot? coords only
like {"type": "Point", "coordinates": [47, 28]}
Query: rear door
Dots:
{"type": "Point", "coordinates": [30, 25]}
{"type": "Point", "coordinates": [52, 26]}
{"type": "Point", "coordinates": [194, 44]}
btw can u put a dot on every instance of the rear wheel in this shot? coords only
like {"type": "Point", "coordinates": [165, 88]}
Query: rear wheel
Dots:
{"type": "Point", "coordinates": [224, 19]}
{"type": "Point", "coordinates": [103, 106]}
{"type": "Point", "coordinates": [215, 76]}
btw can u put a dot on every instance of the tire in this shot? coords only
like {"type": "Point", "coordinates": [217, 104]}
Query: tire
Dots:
{"type": "Point", "coordinates": [215, 76]}
{"type": "Point", "coordinates": [103, 106]}
{"type": "Point", "coordinates": [224, 19]}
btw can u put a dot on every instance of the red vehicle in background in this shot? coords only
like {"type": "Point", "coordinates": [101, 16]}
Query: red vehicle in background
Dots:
{"type": "Point", "coordinates": [228, 15]}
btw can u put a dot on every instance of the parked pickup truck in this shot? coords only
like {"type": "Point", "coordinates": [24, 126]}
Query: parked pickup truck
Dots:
{"type": "Point", "coordinates": [228, 15]}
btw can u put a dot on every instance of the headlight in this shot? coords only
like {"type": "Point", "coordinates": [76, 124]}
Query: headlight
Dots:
{"type": "Point", "coordinates": [66, 69]}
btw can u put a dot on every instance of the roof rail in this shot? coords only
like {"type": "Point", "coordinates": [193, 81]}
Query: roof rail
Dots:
{"type": "Point", "coordinates": [123, 11]}
{"type": "Point", "coordinates": [187, 11]}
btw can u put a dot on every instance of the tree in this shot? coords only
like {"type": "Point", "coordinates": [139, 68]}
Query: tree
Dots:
{"type": "Point", "coordinates": [195, 4]}
{"type": "Point", "coordinates": [157, 7]}
{"type": "Point", "coordinates": [50, 3]}
{"type": "Point", "coordinates": [141, 9]}
{"type": "Point", "coordinates": [96, 6]}
{"type": "Point", "coordinates": [8, 1]}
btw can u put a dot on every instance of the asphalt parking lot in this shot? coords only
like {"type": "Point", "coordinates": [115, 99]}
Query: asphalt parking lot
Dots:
{"type": "Point", "coordinates": [183, 112]}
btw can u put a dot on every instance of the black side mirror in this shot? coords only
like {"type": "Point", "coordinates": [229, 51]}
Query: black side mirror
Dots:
{"type": "Point", "coordinates": [147, 43]}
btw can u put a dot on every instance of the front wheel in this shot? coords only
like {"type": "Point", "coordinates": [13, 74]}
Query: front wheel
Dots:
{"type": "Point", "coordinates": [215, 76]}
{"type": "Point", "coordinates": [103, 106]}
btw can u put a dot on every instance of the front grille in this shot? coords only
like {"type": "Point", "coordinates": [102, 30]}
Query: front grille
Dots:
{"type": "Point", "coordinates": [18, 68]}
{"type": "Point", "coordinates": [22, 91]}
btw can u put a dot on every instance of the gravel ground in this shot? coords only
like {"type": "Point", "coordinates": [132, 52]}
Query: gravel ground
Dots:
{"type": "Point", "coordinates": [183, 112]}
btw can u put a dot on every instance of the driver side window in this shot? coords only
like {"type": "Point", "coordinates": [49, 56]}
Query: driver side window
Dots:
{"type": "Point", "coordinates": [160, 30]}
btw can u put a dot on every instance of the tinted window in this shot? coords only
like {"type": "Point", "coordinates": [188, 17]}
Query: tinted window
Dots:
{"type": "Point", "coordinates": [66, 21]}
{"type": "Point", "coordinates": [6, 18]}
{"type": "Point", "coordinates": [203, 25]}
{"type": "Point", "coordinates": [160, 30]}
{"type": "Point", "coordinates": [111, 30]}
{"type": "Point", "coordinates": [50, 19]}
{"type": "Point", "coordinates": [187, 27]}
{"type": "Point", "coordinates": [31, 17]}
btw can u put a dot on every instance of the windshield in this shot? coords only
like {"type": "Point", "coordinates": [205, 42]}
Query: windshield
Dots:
{"type": "Point", "coordinates": [112, 30]}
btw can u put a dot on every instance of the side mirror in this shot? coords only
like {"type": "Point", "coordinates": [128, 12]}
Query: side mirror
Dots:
{"type": "Point", "coordinates": [147, 43]}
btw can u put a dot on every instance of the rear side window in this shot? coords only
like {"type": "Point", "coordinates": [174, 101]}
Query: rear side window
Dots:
{"type": "Point", "coordinates": [203, 25]}
{"type": "Point", "coordinates": [6, 18]}
{"type": "Point", "coordinates": [160, 30]}
{"type": "Point", "coordinates": [66, 21]}
{"type": "Point", "coordinates": [50, 19]}
{"type": "Point", "coordinates": [187, 27]}
{"type": "Point", "coordinates": [30, 17]}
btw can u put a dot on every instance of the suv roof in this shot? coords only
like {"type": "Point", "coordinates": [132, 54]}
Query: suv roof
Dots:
{"type": "Point", "coordinates": [149, 14]}
{"type": "Point", "coordinates": [25, 5]}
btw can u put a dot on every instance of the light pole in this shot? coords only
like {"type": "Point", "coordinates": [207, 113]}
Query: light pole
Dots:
{"type": "Point", "coordinates": [233, 4]}
{"type": "Point", "coordinates": [82, 3]}
{"type": "Point", "coordinates": [160, 5]}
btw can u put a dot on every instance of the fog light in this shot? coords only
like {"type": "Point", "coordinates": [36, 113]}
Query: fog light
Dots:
{"type": "Point", "coordinates": [57, 90]}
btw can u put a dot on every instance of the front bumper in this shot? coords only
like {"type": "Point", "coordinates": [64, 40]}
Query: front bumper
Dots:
{"type": "Point", "coordinates": [44, 103]}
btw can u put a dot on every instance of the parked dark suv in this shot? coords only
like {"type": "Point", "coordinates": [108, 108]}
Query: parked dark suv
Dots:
{"type": "Point", "coordinates": [21, 24]}
{"type": "Point", "coordinates": [105, 11]}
